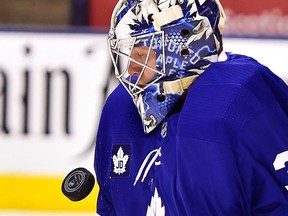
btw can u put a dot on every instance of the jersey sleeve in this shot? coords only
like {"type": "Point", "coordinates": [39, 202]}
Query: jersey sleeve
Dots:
{"type": "Point", "coordinates": [262, 148]}
{"type": "Point", "coordinates": [104, 207]}
{"type": "Point", "coordinates": [104, 204]}
{"type": "Point", "coordinates": [102, 157]}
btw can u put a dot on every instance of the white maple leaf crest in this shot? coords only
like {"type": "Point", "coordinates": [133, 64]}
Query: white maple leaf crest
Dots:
{"type": "Point", "coordinates": [120, 161]}
{"type": "Point", "coordinates": [156, 208]}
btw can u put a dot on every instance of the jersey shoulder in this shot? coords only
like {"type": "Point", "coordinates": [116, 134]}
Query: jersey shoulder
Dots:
{"type": "Point", "coordinates": [237, 70]}
{"type": "Point", "coordinates": [229, 93]}
{"type": "Point", "coordinates": [119, 114]}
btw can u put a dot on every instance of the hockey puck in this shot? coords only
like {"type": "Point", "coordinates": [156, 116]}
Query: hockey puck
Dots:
{"type": "Point", "coordinates": [78, 184]}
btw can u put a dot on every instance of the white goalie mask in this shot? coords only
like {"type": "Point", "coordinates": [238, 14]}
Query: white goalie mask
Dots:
{"type": "Point", "coordinates": [159, 47]}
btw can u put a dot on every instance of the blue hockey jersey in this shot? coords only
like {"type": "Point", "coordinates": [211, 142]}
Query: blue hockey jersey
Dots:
{"type": "Point", "coordinates": [225, 153]}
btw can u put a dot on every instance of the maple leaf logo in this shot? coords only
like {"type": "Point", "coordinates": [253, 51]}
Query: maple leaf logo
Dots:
{"type": "Point", "coordinates": [120, 162]}
{"type": "Point", "coordinates": [156, 208]}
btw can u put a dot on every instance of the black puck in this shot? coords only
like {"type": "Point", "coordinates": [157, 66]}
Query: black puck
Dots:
{"type": "Point", "coordinates": [78, 184]}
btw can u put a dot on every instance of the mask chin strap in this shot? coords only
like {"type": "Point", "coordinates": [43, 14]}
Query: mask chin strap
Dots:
{"type": "Point", "coordinates": [178, 86]}
{"type": "Point", "coordinates": [167, 16]}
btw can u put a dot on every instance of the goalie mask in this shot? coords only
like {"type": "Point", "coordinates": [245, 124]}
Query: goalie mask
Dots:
{"type": "Point", "coordinates": [159, 47]}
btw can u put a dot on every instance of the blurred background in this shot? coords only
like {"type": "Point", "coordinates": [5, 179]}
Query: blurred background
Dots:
{"type": "Point", "coordinates": [55, 73]}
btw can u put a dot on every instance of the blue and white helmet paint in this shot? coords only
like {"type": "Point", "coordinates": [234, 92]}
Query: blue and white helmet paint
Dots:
{"type": "Point", "coordinates": [185, 36]}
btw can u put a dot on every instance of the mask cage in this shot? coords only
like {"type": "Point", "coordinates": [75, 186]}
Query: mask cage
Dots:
{"type": "Point", "coordinates": [121, 51]}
